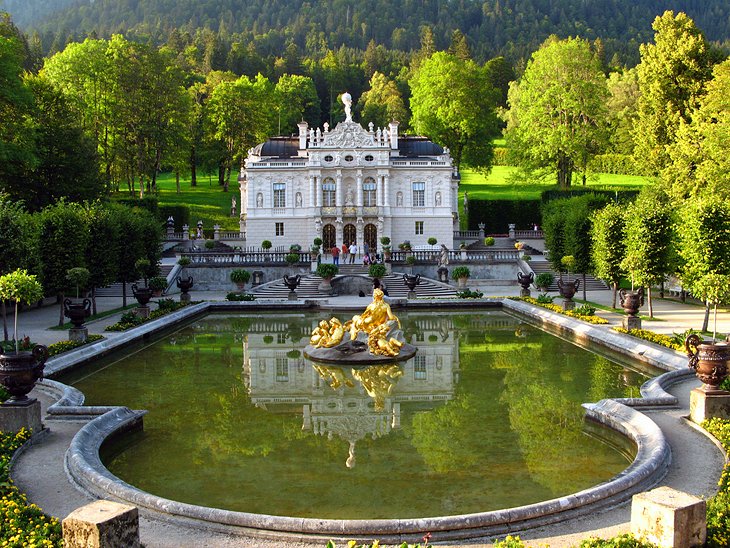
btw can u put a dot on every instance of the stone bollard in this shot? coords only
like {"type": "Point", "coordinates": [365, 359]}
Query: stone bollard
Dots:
{"type": "Point", "coordinates": [102, 524]}
{"type": "Point", "coordinates": [512, 235]}
{"type": "Point", "coordinates": [216, 232]}
{"type": "Point", "coordinates": [669, 518]}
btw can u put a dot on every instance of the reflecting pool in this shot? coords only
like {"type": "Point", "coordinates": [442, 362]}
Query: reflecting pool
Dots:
{"type": "Point", "coordinates": [487, 415]}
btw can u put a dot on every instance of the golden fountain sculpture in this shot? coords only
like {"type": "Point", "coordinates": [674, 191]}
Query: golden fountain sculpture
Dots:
{"type": "Point", "coordinates": [376, 321]}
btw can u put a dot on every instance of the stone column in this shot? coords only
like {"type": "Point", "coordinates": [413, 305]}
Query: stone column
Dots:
{"type": "Point", "coordinates": [386, 192]}
{"type": "Point", "coordinates": [512, 235]}
{"type": "Point", "coordinates": [216, 232]}
{"type": "Point", "coordinates": [312, 186]}
{"type": "Point", "coordinates": [338, 191]}
{"type": "Point", "coordinates": [358, 189]}
{"type": "Point", "coordinates": [186, 232]}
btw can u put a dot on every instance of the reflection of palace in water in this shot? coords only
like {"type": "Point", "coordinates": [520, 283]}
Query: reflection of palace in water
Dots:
{"type": "Point", "coordinates": [346, 402]}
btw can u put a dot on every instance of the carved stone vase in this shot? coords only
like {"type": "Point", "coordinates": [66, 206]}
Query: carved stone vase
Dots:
{"type": "Point", "coordinates": [631, 301]}
{"type": "Point", "coordinates": [525, 282]}
{"type": "Point", "coordinates": [142, 294]}
{"type": "Point", "coordinates": [292, 282]}
{"type": "Point", "coordinates": [411, 281]}
{"type": "Point", "coordinates": [184, 285]}
{"type": "Point", "coordinates": [20, 371]}
{"type": "Point", "coordinates": [709, 360]}
{"type": "Point", "coordinates": [76, 311]}
{"type": "Point", "coordinates": [568, 289]}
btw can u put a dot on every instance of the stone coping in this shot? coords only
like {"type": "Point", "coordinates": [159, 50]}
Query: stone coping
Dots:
{"type": "Point", "coordinates": [84, 466]}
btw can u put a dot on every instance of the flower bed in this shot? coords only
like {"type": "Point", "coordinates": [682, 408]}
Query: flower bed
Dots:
{"type": "Point", "coordinates": [130, 319]}
{"type": "Point", "coordinates": [64, 346]}
{"type": "Point", "coordinates": [718, 507]}
{"type": "Point", "coordinates": [21, 524]}
{"type": "Point", "coordinates": [657, 338]}
{"type": "Point", "coordinates": [597, 320]}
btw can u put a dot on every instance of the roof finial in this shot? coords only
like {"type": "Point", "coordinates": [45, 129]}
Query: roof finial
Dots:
{"type": "Point", "coordinates": [346, 99]}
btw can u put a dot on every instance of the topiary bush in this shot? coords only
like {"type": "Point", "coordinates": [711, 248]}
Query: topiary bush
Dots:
{"type": "Point", "coordinates": [460, 272]}
{"type": "Point", "coordinates": [377, 270]}
{"type": "Point", "coordinates": [327, 270]}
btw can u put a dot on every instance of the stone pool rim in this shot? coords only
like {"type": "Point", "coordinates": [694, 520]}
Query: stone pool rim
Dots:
{"type": "Point", "coordinates": [85, 469]}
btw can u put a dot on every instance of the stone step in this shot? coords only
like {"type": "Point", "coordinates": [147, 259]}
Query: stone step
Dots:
{"type": "Point", "coordinates": [592, 284]}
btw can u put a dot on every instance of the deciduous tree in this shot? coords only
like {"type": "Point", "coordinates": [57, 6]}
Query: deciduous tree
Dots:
{"type": "Point", "coordinates": [382, 103]}
{"type": "Point", "coordinates": [608, 247]}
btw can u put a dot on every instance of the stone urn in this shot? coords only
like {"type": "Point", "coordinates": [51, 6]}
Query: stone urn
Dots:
{"type": "Point", "coordinates": [77, 312]}
{"type": "Point", "coordinates": [19, 372]}
{"type": "Point", "coordinates": [142, 294]}
{"type": "Point", "coordinates": [292, 282]}
{"type": "Point", "coordinates": [184, 285]}
{"type": "Point", "coordinates": [709, 360]}
{"type": "Point", "coordinates": [631, 301]}
{"type": "Point", "coordinates": [568, 291]}
{"type": "Point", "coordinates": [525, 282]}
{"type": "Point", "coordinates": [411, 282]}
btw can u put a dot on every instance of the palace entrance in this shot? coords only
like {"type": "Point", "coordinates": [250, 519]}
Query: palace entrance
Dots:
{"type": "Point", "coordinates": [349, 234]}
{"type": "Point", "coordinates": [328, 237]}
{"type": "Point", "coordinates": [371, 237]}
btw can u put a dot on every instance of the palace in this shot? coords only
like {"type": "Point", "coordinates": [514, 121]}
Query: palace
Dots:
{"type": "Point", "coordinates": [348, 185]}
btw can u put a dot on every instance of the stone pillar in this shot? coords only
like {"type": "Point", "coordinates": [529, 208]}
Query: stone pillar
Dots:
{"type": "Point", "coordinates": [102, 524]}
{"type": "Point", "coordinates": [631, 322]}
{"type": "Point", "coordinates": [186, 232]}
{"type": "Point", "coordinates": [216, 232]}
{"type": "Point", "coordinates": [705, 405]}
{"type": "Point", "coordinates": [27, 414]}
{"type": "Point", "coordinates": [78, 334]}
{"type": "Point", "coordinates": [358, 189]}
{"type": "Point", "coordinates": [386, 192]}
{"type": "Point", "coordinates": [312, 201]}
{"type": "Point", "coordinates": [481, 229]}
{"type": "Point", "coordinates": [338, 192]}
{"type": "Point", "coordinates": [302, 135]}
{"type": "Point", "coordinates": [512, 235]}
{"type": "Point", "coordinates": [381, 190]}
{"type": "Point", "coordinates": [170, 227]}
{"type": "Point", "coordinates": [669, 518]}
{"type": "Point", "coordinates": [393, 132]}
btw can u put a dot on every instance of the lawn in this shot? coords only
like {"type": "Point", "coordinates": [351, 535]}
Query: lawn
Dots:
{"type": "Point", "coordinates": [207, 201]}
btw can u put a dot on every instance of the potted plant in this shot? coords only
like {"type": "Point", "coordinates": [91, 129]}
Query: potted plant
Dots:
{"type": "Point", "coordinates": [158, 284]}
{"type": "Point", "coordinates": [266, 245]}
{"type": "Point", "coordinates": [410, 260]}
{"type": "Point", "coordinates": [544, 280]}
{"type": "Point", "coordinates": [489, 241]}
{"type": "Point", "coordinates": [314, 251]}
{"type": "Point", "coordinates": [326, 271]}
{"type": "Point", "coordinates": [77, 311]}
{"type": "Point", "coordinates": [209, 244]}
{"type": "Point", "coordinates": [183, 261]}
{"type": "Point", "coordinates": [385, 242]}
{"type": "Point", "coordinates": [460, 274]}
{"type": "Point", "coordinates": [20, 370]}
{"type": "Point", "coordinates": [432, 241]}
{"type": "Point", "coordinates": [292, 258]}
{"type": "Point", "coordinates": [240, 277]}
{"type": "Point", "coordinates": [377, 270]}
{"type": "Point", "coordinates": [405, 245]}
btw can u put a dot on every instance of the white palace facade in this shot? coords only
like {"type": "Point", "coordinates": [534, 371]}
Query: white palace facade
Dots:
{"type": "Point", "coordinates": [348, 184]}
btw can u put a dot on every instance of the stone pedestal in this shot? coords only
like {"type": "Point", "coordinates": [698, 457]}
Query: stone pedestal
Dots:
{"type": "Point", "coordinates": [184, 297]}
{"type": "Point", "coordinates": [292, 295]}
{"type": "Point", "coordinates": [78, 334]}
{"type": "Point", "coordinates": [568, 304]}
{"type": "Point", "coordinates": [412, 295]}
{"type": "Point", "coordinates": [14, 416]}
{"type": "Point", "coordinates": [142, 311]}
{"type": "Point", "coordinates": [705, 405]}
{"type": "Point", "coordinates": [631, 322]}
{"type": "Point", "coordinates": [102, 524]}
{"type": "Point", "coordinates": [524, 292]}
{"type": "Point", "coordinates": [669, 518]}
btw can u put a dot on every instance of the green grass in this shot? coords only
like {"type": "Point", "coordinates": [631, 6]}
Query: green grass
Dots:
{"type": "Point", "coordinates": [495, 185]}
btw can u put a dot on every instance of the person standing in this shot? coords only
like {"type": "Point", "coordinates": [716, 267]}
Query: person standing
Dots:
{"type": "Point", "coordinates": [353, 252]}
{"type": "Point", "coordinates": [335, 254]}
{"type": "Point", "coordinates": [345, 251]}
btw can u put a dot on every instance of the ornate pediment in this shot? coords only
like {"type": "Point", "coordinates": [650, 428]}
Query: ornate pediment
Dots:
{"type": "Point", "coordinates": [349, 135]}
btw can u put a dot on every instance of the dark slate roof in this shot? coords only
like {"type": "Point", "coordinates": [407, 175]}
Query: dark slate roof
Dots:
{"type": "Point", "coordinates": [288, 147]}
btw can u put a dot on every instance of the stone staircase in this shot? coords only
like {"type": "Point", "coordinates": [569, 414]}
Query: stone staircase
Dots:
{"type": "Point", "coordinates": [539, 266]}
{"type": "Point", "coordinates": [393, 283]}
{"type": "Point", "coordinates": [115, 290]}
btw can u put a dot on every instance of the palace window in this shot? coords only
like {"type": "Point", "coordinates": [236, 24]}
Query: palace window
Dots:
{"type": "Point", "coordinates": [419, 368]}
{"type": "Point", "coordinates": [368, 193]}
{"type": "Point", "coordinates": [419, 227]}
{"type": "Point", "coordinates": [279, 195]}
{"type": "Point", "coordinates": [369, 158]}
{"type": "Point", "coordinates": [279, 227]}
{"type": "Point", "coordinates": [282, 369]}
{"type": "Point", "coordinates": [329, 190]}
{"type": "Point", "coordinates": [419, 194]}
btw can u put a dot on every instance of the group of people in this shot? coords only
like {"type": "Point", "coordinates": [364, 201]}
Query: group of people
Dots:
{"type": "Point", "coordinates": [349, 254]}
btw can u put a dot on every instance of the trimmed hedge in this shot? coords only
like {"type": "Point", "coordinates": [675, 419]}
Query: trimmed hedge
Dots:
{"type": "Point", "coordinates": [498, 214]}
{"type": "Point", "coordinates": [179, 212]}
{"type": "Point", "coordinates": [618, 193]}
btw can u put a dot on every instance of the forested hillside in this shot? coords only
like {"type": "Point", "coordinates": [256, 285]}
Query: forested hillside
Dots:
{"type": "Point", "coordinates": [511, 28]}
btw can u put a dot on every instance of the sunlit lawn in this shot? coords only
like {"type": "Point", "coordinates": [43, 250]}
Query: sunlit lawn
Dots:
{"type": "Point", "coordinates": [207, 201]}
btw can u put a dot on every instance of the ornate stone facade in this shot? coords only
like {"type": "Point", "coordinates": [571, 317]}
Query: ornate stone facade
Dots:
{"type": "Point", "coordinates": [348, 184]}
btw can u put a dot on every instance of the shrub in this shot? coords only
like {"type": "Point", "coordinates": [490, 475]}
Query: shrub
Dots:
{"type": "Point", "coordinates": [432, 241]}
{"type": "Point", "coordinates": [385, 241]}
{"type": "Point", "coordinates": [679, 338]}
{"type": "Point", "coordinates": [209, 244]}
{"type": "Point", "coordinates": [240, 276]}
{"type": "Point", "coordinates": [295, 248]}
{"type": "Point", "coordinates": [234, 296]}
{"type": "Point", "coordinates": [718, 518]}
{"type": "Point", "coordinates": [292, 258]}
{"type": "Point", "coordinates": [405, 245]}
{"type": "Point", "coordinates": [469, 294]}
{"type": "Point", "coordinates": [327, 270]}
{"type": "Point", "coordinates": [489, 241]}
{"type": "Point", "coordinates": [544, 298]}
{"type": "Point", "coordinates": [410, 260]}
{"type": "Point", "coordinates": [158, 283]}
{"type": "Point", "coordinates": [627, 540]}
{"type": "Point", "coordinates": [293, 354]}
{"type": "Point", "coordinates": [78, 277]}
{"type": "Point", "coordinates": [544, 279]}
{"type": "Point", "coordinates": [585, 310]}
{"type": "Point", "coordinates": [317, 242]}
{"type": "Point", "coordinates": [64, 346]}
{"type": "Point", "coordinates": [266, 244]}
{"type": "Point", "coordinates": [183, 261]}
{"type": "Point", "coordinates": [460, 272]}
{"type": "Point", "coordinates": [377, 270]}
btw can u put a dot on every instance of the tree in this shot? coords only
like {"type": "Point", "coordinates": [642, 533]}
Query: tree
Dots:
{"type": "Point", "coordinates": [102, 251]}
{"type": "Point", "coordinates": [623, 88]}
{"type": "Point", "coordinates": [577, 229]}
{"type": "Point", "coordinates": [382, 103]}
{"type": "Point", "coordinates": [64, 236]}
{"type": "Point", "coordinates": [558, 114]}
{"type": "Point", "coordinates": [649, 254]}
{"type": "Point", "coordinates": [704, 249]}
{"type": "Point", "coordinates": [453, 103]}
{"type": "Point", "coordinates": [672, 76]}
{"type": "Point", "coordinates": [700, 157]}
{"type": "Point", "coordinates": [17, 135]}
{"type": "Point", "coordinates": [500, 73]}
{"type": "Point", "coordinates": [296, 100]}
{"type": "Point", "coordinates": [608, 247]}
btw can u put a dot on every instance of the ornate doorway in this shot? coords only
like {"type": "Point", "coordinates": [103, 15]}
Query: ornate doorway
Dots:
{"type": "Point", "coordinates": [349, 234]}
{"type": "Point", "coordinates": [371, 237]}
{"type": "Point", "coordinates": [328, 237]}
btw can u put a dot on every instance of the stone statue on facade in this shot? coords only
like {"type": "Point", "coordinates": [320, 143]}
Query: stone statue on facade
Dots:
{"type": "Point", "coordinates": [346, 99]}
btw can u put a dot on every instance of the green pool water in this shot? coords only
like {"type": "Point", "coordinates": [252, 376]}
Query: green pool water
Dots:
{"type": "Point", "coordinates": [486, 416]}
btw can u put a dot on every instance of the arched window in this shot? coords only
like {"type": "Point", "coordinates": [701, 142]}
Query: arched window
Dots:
{"type": "Point", "coordinates": [329, 192]}
{"type": "Point", "coordinates": [369, 196]}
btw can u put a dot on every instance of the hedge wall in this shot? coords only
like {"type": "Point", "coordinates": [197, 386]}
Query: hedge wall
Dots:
{"type": "Point", "coordinates": [179, 212]}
